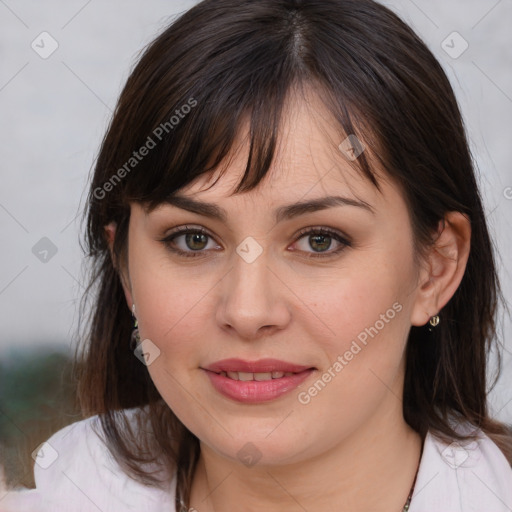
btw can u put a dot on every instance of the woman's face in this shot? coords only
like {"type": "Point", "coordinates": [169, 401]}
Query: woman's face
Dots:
{"type": "Point", "coordinates": [327, 293]}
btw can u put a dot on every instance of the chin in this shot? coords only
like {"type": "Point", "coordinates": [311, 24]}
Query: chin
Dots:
{"type": "Point", "coordinates": [260, 450]}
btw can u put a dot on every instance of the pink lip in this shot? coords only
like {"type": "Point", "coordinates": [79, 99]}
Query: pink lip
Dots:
{"type": "Point", "coordinates": [261, 366]}
{"type": "Point", "coordinates": [252, 392]}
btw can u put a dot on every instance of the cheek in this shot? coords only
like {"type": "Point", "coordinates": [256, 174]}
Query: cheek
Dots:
{"type": "Point", "coordinates": [169, 308]}
{"type": "Point", "coordinates": [367, 315]}
{"type": "Point", "coordinates": [169, 297]}
{"type": "Point", "coordinates": [362, 303]}
{"type": "Point", "coordinates": [366, 349]}
{"type": "Point", "coordinates": [172, 307]}
{"type": "Point", "coordinates": [362, 356]}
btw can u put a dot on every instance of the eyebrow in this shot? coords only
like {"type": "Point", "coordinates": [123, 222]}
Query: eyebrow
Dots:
{"type": "Point", "coordinates": [286, 212]}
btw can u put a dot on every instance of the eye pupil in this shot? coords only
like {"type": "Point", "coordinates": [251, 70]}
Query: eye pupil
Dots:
{"type": "Point", "coordinates": [196, 238]}
{"type": "Point", "coordinates": [323, 242]}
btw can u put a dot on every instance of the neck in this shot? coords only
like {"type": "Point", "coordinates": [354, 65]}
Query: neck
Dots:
{"type": "Point", "coordinates": [373, 469]}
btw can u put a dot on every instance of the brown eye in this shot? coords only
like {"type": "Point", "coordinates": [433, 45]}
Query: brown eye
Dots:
{"type": "Point", "coordinates": [196, 241]}
{"type": "Point", "coordinates": [190, 242]}
{"type": "Point", "coordinates": [318, 242]}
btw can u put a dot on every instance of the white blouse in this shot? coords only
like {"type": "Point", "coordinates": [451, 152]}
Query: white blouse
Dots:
{"type": "Point", "coordinates": [74, 472]}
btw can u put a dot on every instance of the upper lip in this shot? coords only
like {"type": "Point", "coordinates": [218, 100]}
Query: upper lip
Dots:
{"type": "Point", "coordinates": [260, 366]}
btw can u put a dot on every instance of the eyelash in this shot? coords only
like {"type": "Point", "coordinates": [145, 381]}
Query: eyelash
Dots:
{"type": "Point", "coordinates": [186, 230]}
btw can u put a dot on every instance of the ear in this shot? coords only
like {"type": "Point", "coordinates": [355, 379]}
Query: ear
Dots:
{"type": "Point", "coordinates": [445, 265]}
{"type": "Point", "coordinates": [110, 234]}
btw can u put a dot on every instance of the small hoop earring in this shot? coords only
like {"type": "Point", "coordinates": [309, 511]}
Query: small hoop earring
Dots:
{"type": "Point", "coordinates": [135, 338]}
{"type": "Point", "coordinates": [433, 322]}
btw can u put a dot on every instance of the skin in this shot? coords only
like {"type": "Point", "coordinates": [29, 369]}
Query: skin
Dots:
{"type": "Point", "coordinates": [349, 448]}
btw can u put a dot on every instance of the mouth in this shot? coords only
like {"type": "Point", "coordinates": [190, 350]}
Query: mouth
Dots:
{"type": "Point", "coordinates": [258, 381]}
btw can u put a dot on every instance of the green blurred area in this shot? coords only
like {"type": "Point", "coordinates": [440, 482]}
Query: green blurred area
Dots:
{"type": "Point", "coordinates": [37, 398]}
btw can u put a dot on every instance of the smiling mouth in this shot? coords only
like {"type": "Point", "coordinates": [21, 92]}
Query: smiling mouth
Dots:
{"type": "Point", "coordinates": [273, 380]}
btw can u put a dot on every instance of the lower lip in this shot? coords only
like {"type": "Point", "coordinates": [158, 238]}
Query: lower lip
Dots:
{"type": "Point", "coordinates": [253, 392]}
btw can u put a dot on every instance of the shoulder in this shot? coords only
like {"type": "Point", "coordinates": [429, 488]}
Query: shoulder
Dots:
{"type": "Point", "coordinates": [75, 471]}
{"type": "Point", "coordinates": [462, 476]}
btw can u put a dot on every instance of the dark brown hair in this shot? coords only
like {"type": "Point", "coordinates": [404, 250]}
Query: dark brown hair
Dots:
{"type": "Point", "coordinates": [228, 61]}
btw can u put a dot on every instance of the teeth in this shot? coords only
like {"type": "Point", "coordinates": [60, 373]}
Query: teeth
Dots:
{"type": "Point", "coordinates": [262, 376]}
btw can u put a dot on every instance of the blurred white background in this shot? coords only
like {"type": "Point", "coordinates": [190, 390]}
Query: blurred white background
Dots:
{"type": "Point", "coordinates": [55, 110]}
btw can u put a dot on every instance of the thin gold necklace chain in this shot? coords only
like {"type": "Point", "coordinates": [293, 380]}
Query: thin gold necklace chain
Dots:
{"type": "Point", "coordinates": [408, 502]}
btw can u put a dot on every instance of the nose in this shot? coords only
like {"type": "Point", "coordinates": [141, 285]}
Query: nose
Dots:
{"type": "Point", "coordinates": [253, 300]}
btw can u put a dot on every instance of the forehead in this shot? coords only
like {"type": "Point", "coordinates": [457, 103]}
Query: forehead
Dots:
{"type": "Point", "coordinates": [312, 158]}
